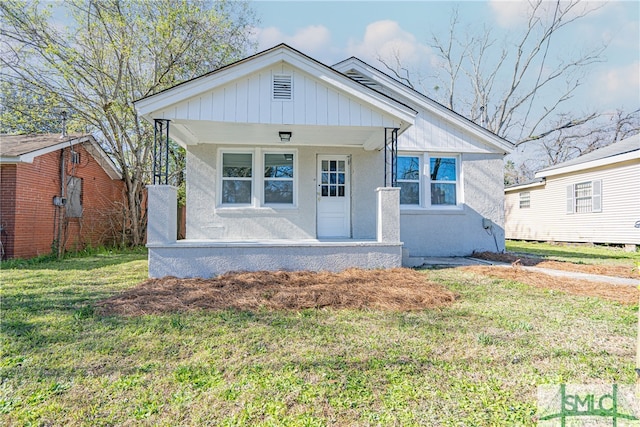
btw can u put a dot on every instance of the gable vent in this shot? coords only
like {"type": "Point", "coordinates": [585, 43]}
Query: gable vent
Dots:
{"type": "Point", "coordinates": [354, 75]}
{"type": "Point", "coordinates": [282, 87]}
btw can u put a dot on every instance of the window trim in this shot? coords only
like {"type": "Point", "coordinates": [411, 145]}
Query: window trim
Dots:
{"type": "Point", "coordinates": [220, 175]}
{"type": "Point", "coordinates": [294, 179]}
{"type": "Point", "coordinates": [425, 182]}
{"type": "Point", "coordinates": [457, 182]}
{"type": "Point", "coordinates": [527, 200]}
{"type": "Point", "coordinates": [257, 178]}
{"type": "Point", "coordinates": [596, 197]}
{"type": "Point", "coordinates": [419, 180]}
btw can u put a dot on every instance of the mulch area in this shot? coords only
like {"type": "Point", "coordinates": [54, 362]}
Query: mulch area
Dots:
{"type": "Point", "coordinates": [605, 270]}
{"type": "Point", "coordinates": [619, 293]}
{"type": "Point", "coordinates": [398, 289]}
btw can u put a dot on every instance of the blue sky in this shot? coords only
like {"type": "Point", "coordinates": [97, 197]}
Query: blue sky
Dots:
{"type": "Point", "coordinates": [330, 31]}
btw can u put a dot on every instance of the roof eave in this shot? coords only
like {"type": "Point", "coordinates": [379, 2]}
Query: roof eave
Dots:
{"type": "Point", "coordinates": [588, 165]}
{"type": "Point", "coordinates": [162, 100]}
{"type": "Point", "coordinates": [430, 104]}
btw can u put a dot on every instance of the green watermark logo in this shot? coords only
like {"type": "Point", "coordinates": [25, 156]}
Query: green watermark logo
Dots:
{"type": "Point", "coordinates": [569, 405]}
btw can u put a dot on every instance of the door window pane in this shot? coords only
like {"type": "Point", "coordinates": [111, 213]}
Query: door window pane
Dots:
{"type": "Point", "coordinates": [333, 178]}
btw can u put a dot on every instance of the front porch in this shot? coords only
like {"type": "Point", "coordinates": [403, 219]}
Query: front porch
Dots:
{"type": "Point", "coordinates": [210, 257]}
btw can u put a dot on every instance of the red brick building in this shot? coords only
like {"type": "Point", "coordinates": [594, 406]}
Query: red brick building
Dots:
{"type": "Point", "coordinates": [57, 192]}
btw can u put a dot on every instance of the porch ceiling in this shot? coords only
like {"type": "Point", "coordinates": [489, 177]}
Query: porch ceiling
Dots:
{"type": "Point", "coordinates": [190, 132]}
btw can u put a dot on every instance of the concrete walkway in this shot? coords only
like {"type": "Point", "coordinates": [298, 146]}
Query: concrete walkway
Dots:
{"type": "Point", "coordinates": [466, 261]}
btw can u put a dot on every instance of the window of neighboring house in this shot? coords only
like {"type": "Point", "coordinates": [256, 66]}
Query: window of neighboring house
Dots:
{"type": "Point", "coordinates": [74, 197]}
{"type": "Point", "coordinates": [408, 179]}
{"type": "Point", "coordinates": [584, 197]}
{"type": "Point", "coordinates": [443, 177]}
{"type": "Point", "coordinates": [237, 178]}
{"type": "Point", "coordinates": [525, 200]}
{"type": "Point", "coordinates": [278, 178]}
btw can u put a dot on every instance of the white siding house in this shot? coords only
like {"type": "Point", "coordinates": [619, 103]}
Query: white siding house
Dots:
{"type": "Point", "coordinates": [594, 198]}
{"type": "Point", "coordinates": [292, 164]}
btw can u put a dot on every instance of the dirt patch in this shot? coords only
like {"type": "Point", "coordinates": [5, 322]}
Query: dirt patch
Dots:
{"type": "Point", "coordinates": [605, 270]}
{"type": "Point", "coordinates": [396, 289]}
{"type": "Point", "coordinates": [619, 293]}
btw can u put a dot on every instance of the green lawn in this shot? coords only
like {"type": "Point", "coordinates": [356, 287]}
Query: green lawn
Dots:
{"type": "Point", "coordinates": [477, 362]}
{"type": "Point", "coordinates": [585, 254]}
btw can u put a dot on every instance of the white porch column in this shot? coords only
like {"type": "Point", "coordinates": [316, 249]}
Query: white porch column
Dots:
{"type": "Point", "coordinates": [388, 215]}
{"type": "Point", "coordinates": [162, 216]}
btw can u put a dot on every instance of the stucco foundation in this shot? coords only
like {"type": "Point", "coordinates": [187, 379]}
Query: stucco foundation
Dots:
{"type": "Point", "coordinates": [210, 258]}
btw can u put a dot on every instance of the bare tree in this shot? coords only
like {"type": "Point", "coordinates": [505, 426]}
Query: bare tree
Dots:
{"type": "Point", "coordinates": [113, 52]}
{"type": "Point", "coordinates": [519, 86]}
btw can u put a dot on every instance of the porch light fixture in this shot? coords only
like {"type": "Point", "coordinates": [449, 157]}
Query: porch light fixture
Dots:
{"type": "Point", "coordinates": [284, 136]}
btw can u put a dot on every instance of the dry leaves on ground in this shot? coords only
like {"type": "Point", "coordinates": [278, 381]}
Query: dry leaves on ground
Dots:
{"type": "Point", "coordinates": [620, 293]}
{"type": "Point", "coordinates": [604, 270]}
{"type": "Point", "coordinates": [396, 289]}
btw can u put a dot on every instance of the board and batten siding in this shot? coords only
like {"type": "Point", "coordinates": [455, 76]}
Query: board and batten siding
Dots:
{"type": "Point", "coordinates": [249, 100]}
{"type": "Point", "coordinates": [437, 135]}
{"type": "Point", "coordinates": [547, 218]}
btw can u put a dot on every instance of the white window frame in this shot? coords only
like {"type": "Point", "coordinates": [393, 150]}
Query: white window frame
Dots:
{"type": "Point", "coordinates": [257, 178]}
{"type": "Point", "coordinates": [221, 177]}
{"type": "Point", "coordinates": [457, 182]}
{"type": "Point", "coordinates": [425, 182]}
{"type": "Point", "coordinates": [262, 178]}
{"type": "Point", "coordinates": [595, 197]}
{"type": "Point", "coordinates": [525, 201]}
{"type": "Point", "coordinates": [420, 179]}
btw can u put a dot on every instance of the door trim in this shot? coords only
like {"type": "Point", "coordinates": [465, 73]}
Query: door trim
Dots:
{"type": "Point", "coordinates": [345, 227]}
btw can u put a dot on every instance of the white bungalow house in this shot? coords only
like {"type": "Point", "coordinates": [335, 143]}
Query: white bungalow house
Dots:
{"type": "Point", "coordinates": [292, 164]}
{"type": "Point", "coordinates": [594, 198]}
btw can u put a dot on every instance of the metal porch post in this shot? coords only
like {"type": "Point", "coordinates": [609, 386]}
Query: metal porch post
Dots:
{"type": "Point", "coordinates": [390, 157]}
{"type": "Point", "coordinates": [161, 151]}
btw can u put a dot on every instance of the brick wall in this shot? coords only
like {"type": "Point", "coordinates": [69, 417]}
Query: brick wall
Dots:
{"type": "Point", "coordinates": [35, 225]}
{"type": "Point", "coordinates": [7, 206]}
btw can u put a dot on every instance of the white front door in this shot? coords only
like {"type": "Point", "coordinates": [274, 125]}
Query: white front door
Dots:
{"type": "Point", "coordinates": [334, 207]}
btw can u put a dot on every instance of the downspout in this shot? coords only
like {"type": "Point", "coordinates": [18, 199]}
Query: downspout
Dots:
{"type": "Point", "coordinates": [60, 207]}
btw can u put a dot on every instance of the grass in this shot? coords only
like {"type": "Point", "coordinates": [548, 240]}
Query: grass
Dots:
{"type": "Point", "coordinates": [476, 362]}
{"type": "Point", "coordinates": [577, 253]}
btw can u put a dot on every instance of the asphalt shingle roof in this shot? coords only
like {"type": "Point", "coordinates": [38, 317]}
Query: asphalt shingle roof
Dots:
{"type": "Point", "coordinates": [617, 148]}
{"type": "Point", "coordinates": [17, 145]}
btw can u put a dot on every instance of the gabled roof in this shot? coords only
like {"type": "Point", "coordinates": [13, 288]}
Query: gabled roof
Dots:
{"type": "Point", "coordinates": [621, 151]}
{"type": "Point", "coordinates": [375, 77]}
{"type": "Point", "coordinates": [536, 182]}
{"type": "Point", "coordinates": [281, 52]}
{"type": "Point", "coordinates": [25, 148]}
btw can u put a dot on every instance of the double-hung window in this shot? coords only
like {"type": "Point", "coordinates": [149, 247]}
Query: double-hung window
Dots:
{"type": "Point", "coordinates": [409, 179]}
{"type": "Point", "coordinates": [237, 178]}
{"type": "Point", "coordinates": [525, 200]}
{"type": "Point", "coordinates": [242, 186]}
{"type": "Point", "coordinates": [278, 178]}
{"type": "Point", "coordinates": [428, 181]}
{"type": "Point", "coordinates": [584, 197]}
{"type": "Point", "coordinates": [443, 180]}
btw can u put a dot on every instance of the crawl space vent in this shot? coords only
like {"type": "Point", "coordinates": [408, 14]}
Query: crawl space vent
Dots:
{"type": "Point", "coordinates": [282, 87]}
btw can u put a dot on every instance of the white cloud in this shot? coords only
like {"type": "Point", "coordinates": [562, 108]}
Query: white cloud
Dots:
{"type": "Point", "coordinates": [509, 13]}
{"type": "Point", "coordinates": [387, 40]}
{"type": "Point", "coordinates": [619, 86]}
{"type": "Point", "coordinates": [512, 14]}
{"type": "Point", "coordinates": [312, 40]}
